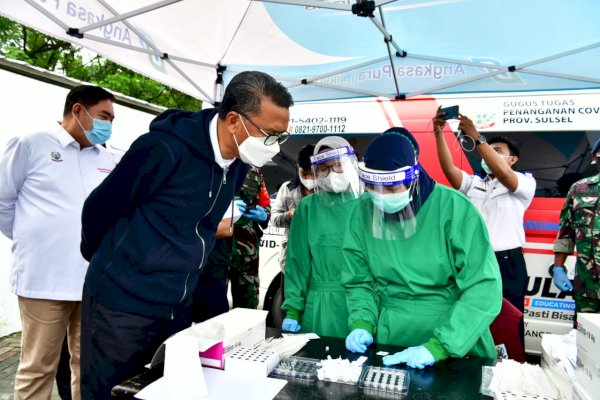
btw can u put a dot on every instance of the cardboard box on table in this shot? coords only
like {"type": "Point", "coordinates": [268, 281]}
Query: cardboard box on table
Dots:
{"type": "Point", "coordinates": [555, 369]}
{"type": "Point", "coordinates": [240, 327]}
{"type": "Point", "coordinates": [587, 373]}
{"type": "Point", "coordinates": [588, 335]}
{"type": "Point", "coordinates": [580, 394]}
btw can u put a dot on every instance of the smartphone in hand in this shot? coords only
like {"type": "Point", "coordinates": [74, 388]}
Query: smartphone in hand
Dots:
{"type": "Point", "coordinates": [450, 113]}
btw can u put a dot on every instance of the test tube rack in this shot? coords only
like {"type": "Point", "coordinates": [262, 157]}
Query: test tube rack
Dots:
{"type": "Point", "coordinates": [384, 382]}
{"type": "Point", "coordinates": [297, 368]}
{"type": "Point", "coordinates": [251, 362]}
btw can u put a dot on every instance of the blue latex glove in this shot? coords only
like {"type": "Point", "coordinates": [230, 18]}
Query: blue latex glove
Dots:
{"type": "Point", "coordinates": [241, 205]}
{"type": "Point", "coordinates": [415, 357]}
{"type": "Point", "coordinates": [258, 214]}
{"type": "Point", "coordinates": [290, 325]}
{"type": "Point", "coordinates": [358, 340]}
{"type": "Point", "coordinates": [561, 280]}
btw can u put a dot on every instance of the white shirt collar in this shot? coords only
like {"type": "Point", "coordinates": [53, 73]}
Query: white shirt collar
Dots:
{"type": "Point", "coordinates": [214, 141]}
{"type": "Point", "coordinates": [65, 139]}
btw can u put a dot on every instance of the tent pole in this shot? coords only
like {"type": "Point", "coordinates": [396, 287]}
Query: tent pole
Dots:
{"type": "Point", "coordinates": [41, 9]}
{"type": "Point", "coordinates": [277, 77]}
{"type": "Point", "coordinates": [218, 93]}
{"type": "Point", "coordinates": [194, 62]}
{"type": "Point", "coordinates": [123, 45]}
{"type": "Point", "coordinates": [187, 78]}
{"type": "Point", "coordinates": [342, 70]}
{"type": "Point", "coordinates": [455, 61]}
{"type": "Point", "coordinates": [403, 53]}
{"type": "Point", "coordinates": [352, 90]}
{"type": "Point", "coordinates": [127, 15]}
{"type": "Point", "coordinates": [153, 47]}
{"type": "Point", "coordinates": [558, 75]}
{"type": "Point", "coordinates": [310, 3]}
{"type": "Point", "coordinates": [560, 55]}
{"type": "Point", "coordinates": [434, 89]}
{"type": "Point", "coordinates": [388, 38]}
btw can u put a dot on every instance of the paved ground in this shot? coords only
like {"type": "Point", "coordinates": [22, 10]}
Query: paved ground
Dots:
{"type": "Point", "coordinates": [10, 349]}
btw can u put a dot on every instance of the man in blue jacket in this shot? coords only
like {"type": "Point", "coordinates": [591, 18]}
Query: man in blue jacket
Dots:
{"type": "Point", "coordinates": [148, 228]}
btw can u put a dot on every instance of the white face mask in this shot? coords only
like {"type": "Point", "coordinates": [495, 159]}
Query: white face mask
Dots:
{"type": "Point", "coordinates": [335, 182]}
{"type": "Point", "coordinates": [253, 150]}
{"type": "Point", "coordinates": [308, 183]}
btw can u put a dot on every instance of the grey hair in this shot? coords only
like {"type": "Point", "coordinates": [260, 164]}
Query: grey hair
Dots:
{"type": "Point", "coordinates": [246, 90]}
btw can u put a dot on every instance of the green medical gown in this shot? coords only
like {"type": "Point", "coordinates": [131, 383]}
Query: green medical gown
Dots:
{"type": "Point", "coordinates": [314, 294]}
{"type": "Point", "coordinates": [440, 287]}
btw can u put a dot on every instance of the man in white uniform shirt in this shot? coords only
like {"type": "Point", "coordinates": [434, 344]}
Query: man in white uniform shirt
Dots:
{"type": "Point", "coordinates": [502, 197]}
{"type": "Point", "coordinates": [44, 179]}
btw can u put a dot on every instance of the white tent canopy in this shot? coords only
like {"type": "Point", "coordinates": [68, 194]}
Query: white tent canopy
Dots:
{"type": "Point", "coordinates": [338, 48]}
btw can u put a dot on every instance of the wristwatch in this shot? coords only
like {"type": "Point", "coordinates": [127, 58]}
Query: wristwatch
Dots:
{"type": "Point", "coordinates": [480, 139]}
{"type": "Point", "coordinates": [551, 269]}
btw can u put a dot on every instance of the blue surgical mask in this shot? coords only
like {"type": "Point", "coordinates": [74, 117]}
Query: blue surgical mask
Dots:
{"type": "Point", "coordinates": [485, 167]}
{"type": "Point", "coordinates": [390, 202]}
{"type": "Point", "coordinates": [100, 132]}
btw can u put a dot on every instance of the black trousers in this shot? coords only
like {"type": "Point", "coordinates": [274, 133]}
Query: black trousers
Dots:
{"type": "Point", "coordinates": [210, 298]}
{"type": "Point", "coordinates": [116, 345]}
{"type": "Point", "coordinates": [514, 281]}
{"type": "Point", "coordinates": [63, 373]}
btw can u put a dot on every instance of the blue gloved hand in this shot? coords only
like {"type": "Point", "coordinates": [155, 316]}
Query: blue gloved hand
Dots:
{"type": "Point", "coordinates": [358, 340]}
{"type": "Point", "coordinates": [258, 214]}
{"type": "Point", "coordinates": [290, 325]}
{"type": "Point", "coordinates": [241, 205]}
{"type": "Point", "coordinates": [415, 357]}
{"type": "Point", "coordinates": [561, 280]}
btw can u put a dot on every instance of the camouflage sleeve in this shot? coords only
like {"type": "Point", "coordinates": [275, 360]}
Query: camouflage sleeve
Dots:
{"type": "Point", "coordinates": [565, 240]}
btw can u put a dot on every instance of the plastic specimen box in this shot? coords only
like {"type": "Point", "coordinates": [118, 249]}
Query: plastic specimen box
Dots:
{"type": "Point", "coordinates": [385, 382]}
{"type": "Point", "coordinates": [297, 368]}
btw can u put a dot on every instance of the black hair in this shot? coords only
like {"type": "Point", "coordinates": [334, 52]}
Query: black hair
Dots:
{"type": "Point", "coordinates": [245, 91]}
{"type": "Point", "coordinates": [513, 148]}
{"type": "Point", "coordinates": [304, 156]}
{"type": "Point", "coordinates": [87, 96]}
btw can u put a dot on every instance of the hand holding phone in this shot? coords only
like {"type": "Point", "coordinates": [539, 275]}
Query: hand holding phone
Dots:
{"type": "Point", "coordinates": [449, 113]}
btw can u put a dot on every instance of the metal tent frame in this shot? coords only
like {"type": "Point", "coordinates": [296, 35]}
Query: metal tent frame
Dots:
{"type": "Point", "coordinates": [83, 35]}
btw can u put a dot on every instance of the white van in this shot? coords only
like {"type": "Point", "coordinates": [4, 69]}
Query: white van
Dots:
{"type": "Point", "coordinates": [555, 131]}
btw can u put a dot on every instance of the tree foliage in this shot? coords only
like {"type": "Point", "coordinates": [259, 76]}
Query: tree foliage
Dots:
{"type": "Point", "coordinates": [25, 44]}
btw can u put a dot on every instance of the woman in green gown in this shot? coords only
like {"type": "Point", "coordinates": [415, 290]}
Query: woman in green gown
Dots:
{"type": "Point", "coordinates": [314, 295]}
{"type": "Point", "coordinates": [420, 272]}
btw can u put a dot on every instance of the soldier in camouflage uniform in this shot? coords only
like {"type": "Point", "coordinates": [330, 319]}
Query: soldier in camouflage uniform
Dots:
{"type": "Point", "coordinates": [243, 247]}
{"type": "Point", "coordinates": [580, 228]}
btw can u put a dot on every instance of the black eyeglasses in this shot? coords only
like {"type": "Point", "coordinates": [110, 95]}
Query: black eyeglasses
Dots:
{"type": "Point", "coordinates": [324, 169]}
{"type": "Point", "coordinates": [271, 138]}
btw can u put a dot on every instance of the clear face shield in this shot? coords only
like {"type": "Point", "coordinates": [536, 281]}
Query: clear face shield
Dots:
{"type": "Point", "coordinates": [395, 197]}
{"type": "Point", "coordinates": [336, 174]}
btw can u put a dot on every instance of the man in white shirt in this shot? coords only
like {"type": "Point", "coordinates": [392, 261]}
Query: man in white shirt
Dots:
{"type": "Point", "coordinates": [502, 197]}
{"type": "Point", "coordinates": [44, 179]}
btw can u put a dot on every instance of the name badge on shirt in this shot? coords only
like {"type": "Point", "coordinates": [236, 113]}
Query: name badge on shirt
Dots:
{"type": "Point", "coordinates": [55, 156]}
